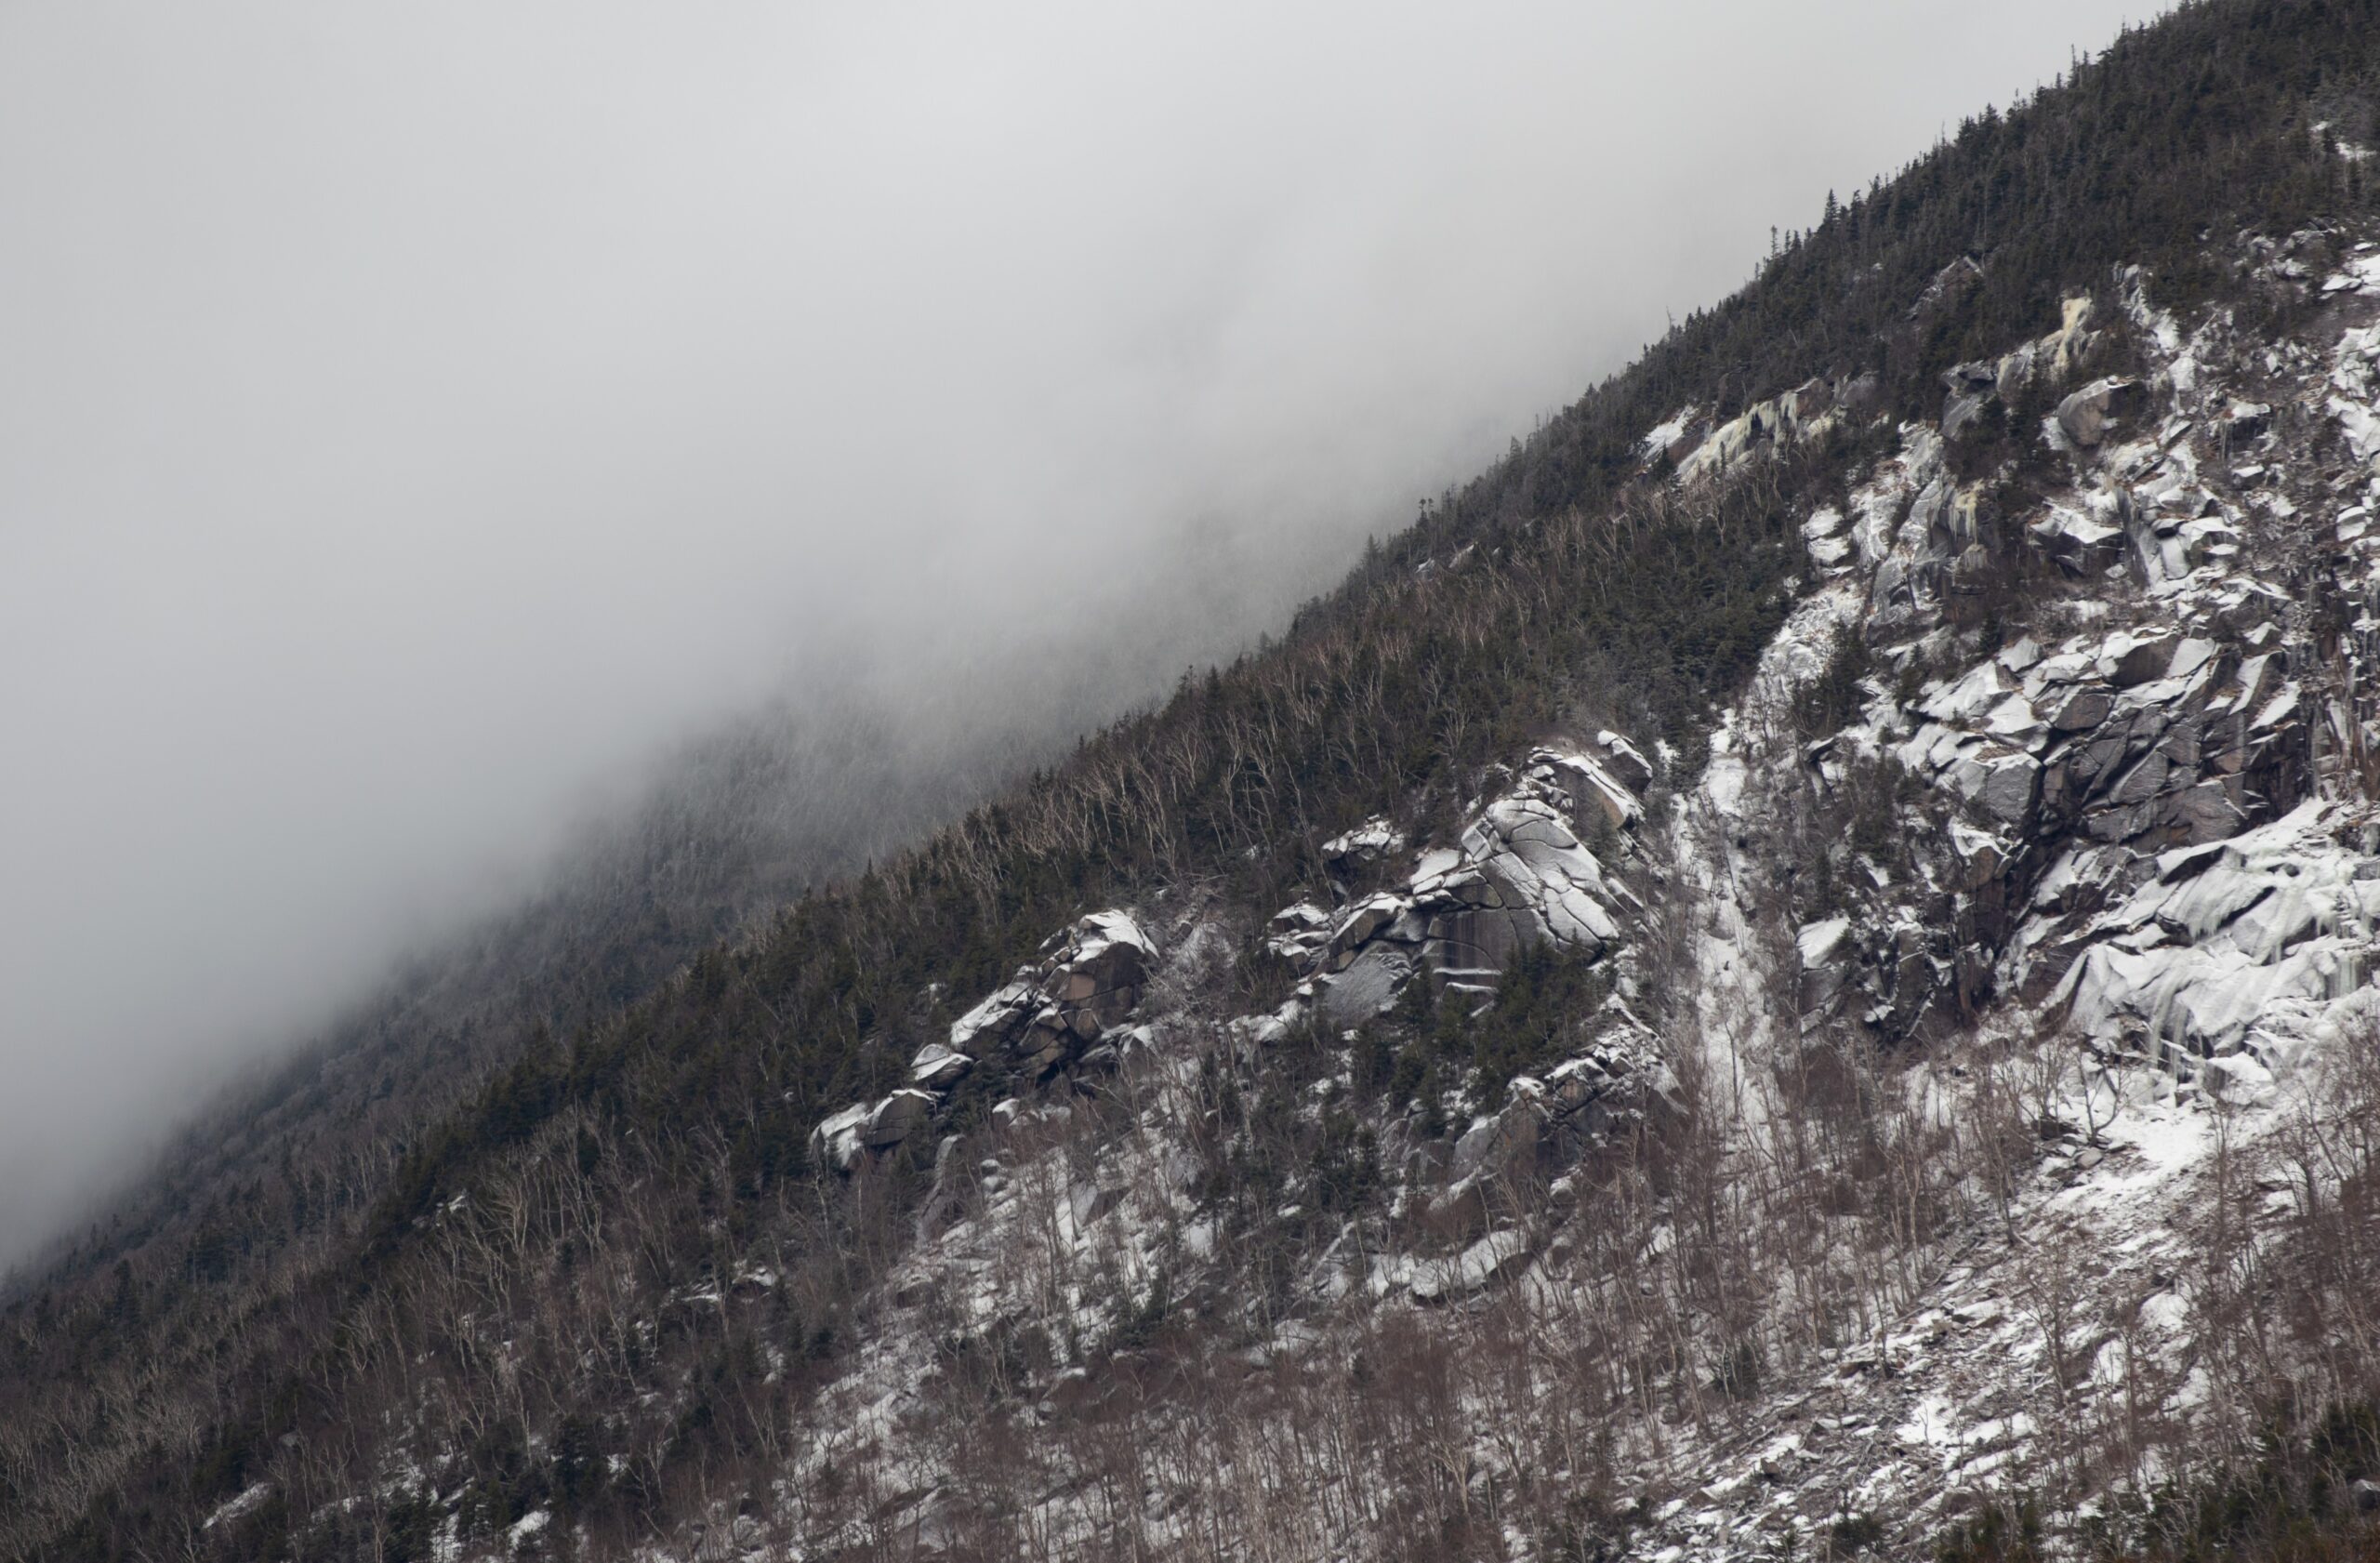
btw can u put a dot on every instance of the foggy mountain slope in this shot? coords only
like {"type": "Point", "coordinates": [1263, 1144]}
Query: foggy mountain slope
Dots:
{"type": "Point", "coordinates": [740, 823]}
{"type": "Point", "coordinates": [851, 764]}
{"type": "Point", "coordinates": [734, 825]}
{"type": "Point", "coordinates": [867, 745]}
{"type": "Point", "coordinates": [1683, 1008]}
{"type": "Point", "coordinates": [414, 428]}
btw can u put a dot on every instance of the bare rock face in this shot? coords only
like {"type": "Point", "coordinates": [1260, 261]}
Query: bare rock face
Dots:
{"type": "Point", "coordinates": [1970, 388]}
{"type": "Point", "coordinates": [1501, 1142]}
{"type": "Point", "coordinates": [1797, 414]}
{"type": "Point", "coordinates": [845, 1139]}
{"type": "Point", "coordinates": [1523, 874]}
{"type": "Point", "coordinates": [1595, 789]}
{"type": "Point", "coordinates": [1048, 1016]}
{"type": "Point", "coordinates": [896, 1118]}
{"type": "Point", "coordinates": [1090, 978]}
{"type": "Point", "coordinates": [2222, 939]}
{"type": "Point", "coordinates": [1519, 876]}
{"type": "Point", "coordinates": [1300, 934]}
{"type": "Point", "coordinates": [937, 1066]}
{"type": "Point", "coordinates": [1624, 759]}
{"type": "Point", "coordinates": [2185, 713]}
{"type": "Point", "coordinates": [1528, 852]}
{"type": "Point", "coordinates": [982, 1030]}
{"type": "Point", "coordinates": [1367, 987]}
{"type": "Point", "coordinates": [2130, 659]}
{"type": "Point", "coordinates": [1482, 942]}
{"type": "Point", "coordinates": [1359, 923]}
{"type": "Point", "coordinates": [1099, 977]}
{"type": "Point", "coordinates": [836, 1142]}
{"type": "Point", "coordinates": [2124, 745]}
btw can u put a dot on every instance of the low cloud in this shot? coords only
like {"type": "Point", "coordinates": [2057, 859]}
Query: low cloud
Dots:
{"type": "Point", "coordinates": [416, 419]}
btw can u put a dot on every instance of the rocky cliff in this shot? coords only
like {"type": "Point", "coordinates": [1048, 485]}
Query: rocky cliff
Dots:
{"type": "Point", "coordinates": [2011, 974]}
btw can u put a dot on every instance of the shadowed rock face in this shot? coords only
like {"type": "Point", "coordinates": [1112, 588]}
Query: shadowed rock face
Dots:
{"type": "Point", "coordinates": [1520, 876]}
{"type": "Point", "coordinates": [1089, 977]}
{"type": "Point", "coordinates": [1369, 985]}
{"type": "Point", "coordinates": [1481, 940]}
{"type": "Point", "coordinates": [1099, 973]}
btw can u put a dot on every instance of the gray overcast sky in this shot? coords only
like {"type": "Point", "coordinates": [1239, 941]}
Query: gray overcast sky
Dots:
{"type": "Point", "coordinates": [414, 416]}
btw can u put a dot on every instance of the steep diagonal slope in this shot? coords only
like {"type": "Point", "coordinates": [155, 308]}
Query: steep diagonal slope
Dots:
{"type": "Point", "coordinates": [1738, 1279]}
{"type": "Point", "coordinates": [1558, 1053]}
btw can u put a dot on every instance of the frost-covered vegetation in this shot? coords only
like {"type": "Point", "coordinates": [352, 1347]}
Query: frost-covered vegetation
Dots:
{"type": "Point", "coordinates": [1683, 1007]}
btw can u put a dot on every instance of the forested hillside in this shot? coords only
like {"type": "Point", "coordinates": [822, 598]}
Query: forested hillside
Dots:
{"type": "Point", "coordinates": [1548, 816]}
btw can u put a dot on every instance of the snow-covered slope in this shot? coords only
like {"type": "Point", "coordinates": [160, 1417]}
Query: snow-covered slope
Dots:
{"type": "Point", "coordinates": [1962, 1091]}
{"type": "Point", "coordinates": [1789, 973]}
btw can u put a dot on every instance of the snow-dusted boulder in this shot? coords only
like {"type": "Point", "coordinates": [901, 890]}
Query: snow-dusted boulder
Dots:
{"type": "Point", "coordinates": [993, 1021]}
{"type": "Point", "coordinates": [1299, 933]}
{"type": "Point", "coordinates": [2091, 413]}
{"type": "Point", "coordinates": [836, 1141]}
{"type": "Point", "coordinates": [2137, 657]}
{"type": "Point", "coordinates": [1099, 979]}
{"type": "Point", "coordinates": [1625, 760]}
{"type": "Point", "coordinates": [2078, 544]}
{"type": "Point", "coordinates": [1368, 842]}
{"type": "Point", "coordinates": [2001, 781]}
{"type": "Point", "coordinates": [896, 1118]}
{"type": "Point", "coordinates": [936, 1066]}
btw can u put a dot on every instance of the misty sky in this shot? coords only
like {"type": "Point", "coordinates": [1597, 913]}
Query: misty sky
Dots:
{"type": "Point", "coordinates": [415, 418]}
